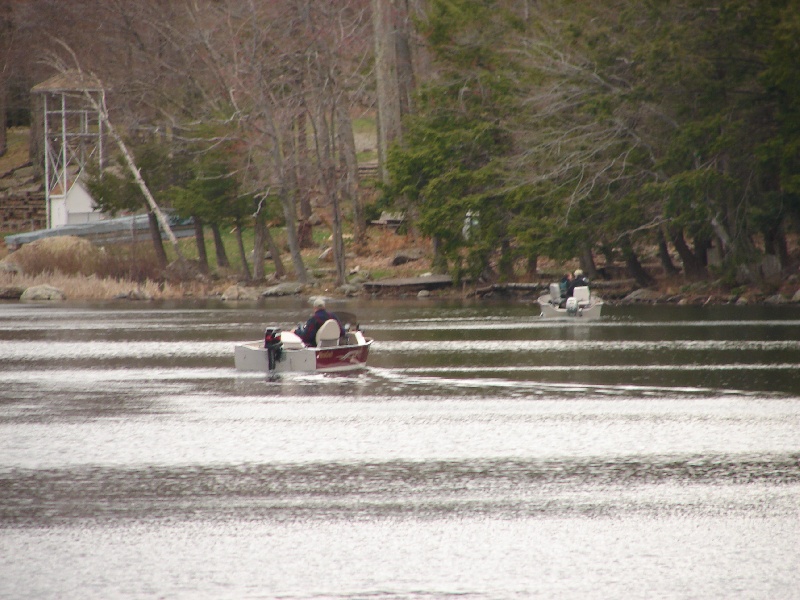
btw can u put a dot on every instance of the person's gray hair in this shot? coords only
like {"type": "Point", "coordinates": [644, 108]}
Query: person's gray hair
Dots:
{"type": "Point", "coordinates": [319, 302]}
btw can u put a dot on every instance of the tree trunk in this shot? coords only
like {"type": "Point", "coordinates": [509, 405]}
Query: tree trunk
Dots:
{"type": "Point", "coordinates": [587, 262]}
{"type": "Point", "coordinates": [155, 236]}
{"type": "Point", "coordinates": [259, 243]}
{"type": "Point", "coordinates": [242, 252]}
{"type": "Point", "coordinates": [775, 243]}
{"type": "Point", "coordinates": [351, 192]}
{"type": "Point", "coordinates": [219, 247]}
{"type": "Point", "coordinates": [693, 268]}
{"type": "Point", "coordinates": [403, 52]}
{"type": "Point", "coordinates": [635, 268]}
{"type": "Point", "coordinates": [338, 241]}
{"type": "Point", "coordinates": [287, 201]}
{"type": "Point", "coordinates": [325, 123]}
{"type": "Point", "coordinates": [533, 265]}
{"type": "Point", "coordinates": [386, 78]}
{"type": "Point", "coordinates": [291, 233]}
{"type": "Point", "coordinates": [305, 231]}
{"type": "Point", "coordinates": [275, 253]}
{"type": "Point", "coordinates": [3, 115]}
{"type": "Point", "coordinates": [200, 240]}
{"type": "Point", "coordinates": [663, 255]}
{"type": "Point", "coordinates": [505, 265]}
{"type": "Point", "coordinates": [439, 261]}
{"type": "Point", "coordinates": [36, 143]}
{"type": "Point", "coordinates": [702, 244]}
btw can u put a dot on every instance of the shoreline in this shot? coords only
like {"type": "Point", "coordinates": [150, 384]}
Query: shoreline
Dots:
{"type": "Point", "coordinates": [614, 292]}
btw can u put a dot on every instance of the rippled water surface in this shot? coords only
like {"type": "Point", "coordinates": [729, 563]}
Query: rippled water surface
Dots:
{"type": "Point", "coordinates": [484, 453]}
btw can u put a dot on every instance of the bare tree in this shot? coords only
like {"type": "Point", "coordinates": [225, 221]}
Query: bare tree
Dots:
{"type": "Point", "coordinates": [333, 62]}
{"type": "Point", "coordinates": [237, 73]}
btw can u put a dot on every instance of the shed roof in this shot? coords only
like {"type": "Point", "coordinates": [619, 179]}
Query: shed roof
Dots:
{"type": "Point", "coordinates": [69, 81]}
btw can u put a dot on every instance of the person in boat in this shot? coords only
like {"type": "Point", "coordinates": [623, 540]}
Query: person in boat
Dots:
{"type": "Point", "coordinates": [579, 280]}
{"type": "Point", "coordinates": [308, 332]}
{"type": "Point", "coordinates": [564, 284]}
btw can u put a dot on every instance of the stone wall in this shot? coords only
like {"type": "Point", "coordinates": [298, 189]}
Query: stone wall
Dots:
{"type": "Point", "coordinates": [22, 201]}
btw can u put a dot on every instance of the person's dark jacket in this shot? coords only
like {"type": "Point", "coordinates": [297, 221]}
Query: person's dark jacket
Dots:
{"type": "Point", "coordinates": [563, 286]}
{"type": "Point", "coordinates": [308, 333]}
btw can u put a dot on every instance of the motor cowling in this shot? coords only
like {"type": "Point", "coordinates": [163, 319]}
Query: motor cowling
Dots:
{"type": "Point", "coordinates": [272, 337]}
{"type": "Point", "coordinates": [572, 306]}
{"type": "Point", "coordinates": [273, 345]}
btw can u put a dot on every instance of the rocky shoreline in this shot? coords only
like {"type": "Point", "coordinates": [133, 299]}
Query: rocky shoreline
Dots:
{"type": "Point", "coordinates": [622, 292]}
{"type": "Point", "coordinates": [188, 282]}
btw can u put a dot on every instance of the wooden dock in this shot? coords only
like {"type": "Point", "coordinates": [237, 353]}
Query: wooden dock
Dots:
{"type": "Point", "coordinates": [408, 284]}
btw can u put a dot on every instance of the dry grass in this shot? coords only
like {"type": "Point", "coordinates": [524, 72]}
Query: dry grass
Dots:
{"type": "Point", "coordinates": [84, 271]}
{"type": "Point", "coordinates": [68, 254]}
{"type": "Point", "coordinates": [71, 255]}
{"type": "Point", "coordinates": [91, 287]}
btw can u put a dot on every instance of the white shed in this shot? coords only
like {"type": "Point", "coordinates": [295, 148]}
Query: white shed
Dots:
{"type": "Point", "coordinates": [76, 208]}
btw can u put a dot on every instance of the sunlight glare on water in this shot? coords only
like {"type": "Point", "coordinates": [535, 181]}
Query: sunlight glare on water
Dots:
{"type": "Point", "coordinates": [484, 453]}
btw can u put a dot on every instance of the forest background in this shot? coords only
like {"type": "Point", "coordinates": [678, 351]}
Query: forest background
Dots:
{"type": "Point", "coordinates": [510, 133]}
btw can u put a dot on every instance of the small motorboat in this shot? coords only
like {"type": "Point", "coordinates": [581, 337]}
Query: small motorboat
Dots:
{"type": "Point", "coordinates": [285, 352]}
{"type": "Point", "coordinates": [581, 305]}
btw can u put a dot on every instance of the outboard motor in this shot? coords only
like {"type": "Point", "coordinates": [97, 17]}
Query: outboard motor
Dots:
{"type": "Point", "coordinates": [273, 345]}
{"type": "Point", "coordinates": [572, 307]}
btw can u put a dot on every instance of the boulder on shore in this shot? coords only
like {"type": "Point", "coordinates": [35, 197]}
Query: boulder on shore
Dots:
{"type": "Point", "coordinates": [406, 256]}
{"type": "Point", "coordinates": [46, 293]}
{"type": "Point", "coordinates": [237, 292]}
{"type": "Point", "coordinates": [11, 293]}
{"type": "Point", "coordinates": [643, 295]}
{"type": "Point", "coordinates": [287, 288]}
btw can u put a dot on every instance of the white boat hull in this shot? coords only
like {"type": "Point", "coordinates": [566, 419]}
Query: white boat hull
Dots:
{"type": "Point", "coordinates": [296, 358]}
{"type": "Point", "coordinates": [585, 311]}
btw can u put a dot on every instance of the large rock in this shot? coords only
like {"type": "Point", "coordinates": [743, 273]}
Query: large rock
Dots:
{"type": "Point", "coordinates": [406, 256]}
{"type": "Point", "coordinates": [776, 299]}
{"type": "Point", "coordinates": [642, 295]}
{"type": "Point", "coordinates": [350, 289]}
{"type": "Point", "coordinates": [11, 292]}
{"type": "Point", "coordinates": [136, 294]}
{"type": "Point", "coordinates": [287, 288]}
{"type": "Point", "coordinates": [237, 292]}
{"type": "Point", "coordinates": [360, 277]}
{"type": "Point", "coordinates": [46, 293]}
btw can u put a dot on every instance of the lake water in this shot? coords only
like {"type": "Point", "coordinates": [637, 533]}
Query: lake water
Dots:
{"type": "Point", "coordinates": [484, 453]}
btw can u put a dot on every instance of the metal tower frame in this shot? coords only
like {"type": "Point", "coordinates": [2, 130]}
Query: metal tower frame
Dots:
{"type": "Point", "coordinates": [73, 132]}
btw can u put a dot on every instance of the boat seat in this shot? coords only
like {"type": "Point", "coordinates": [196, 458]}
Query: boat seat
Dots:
{"type": "Point", "coordinates": [555, 293]}
{"type": "Point", "coordinates": [582, 295]}
{"type": "Point", "coordinates": [328, 334]}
